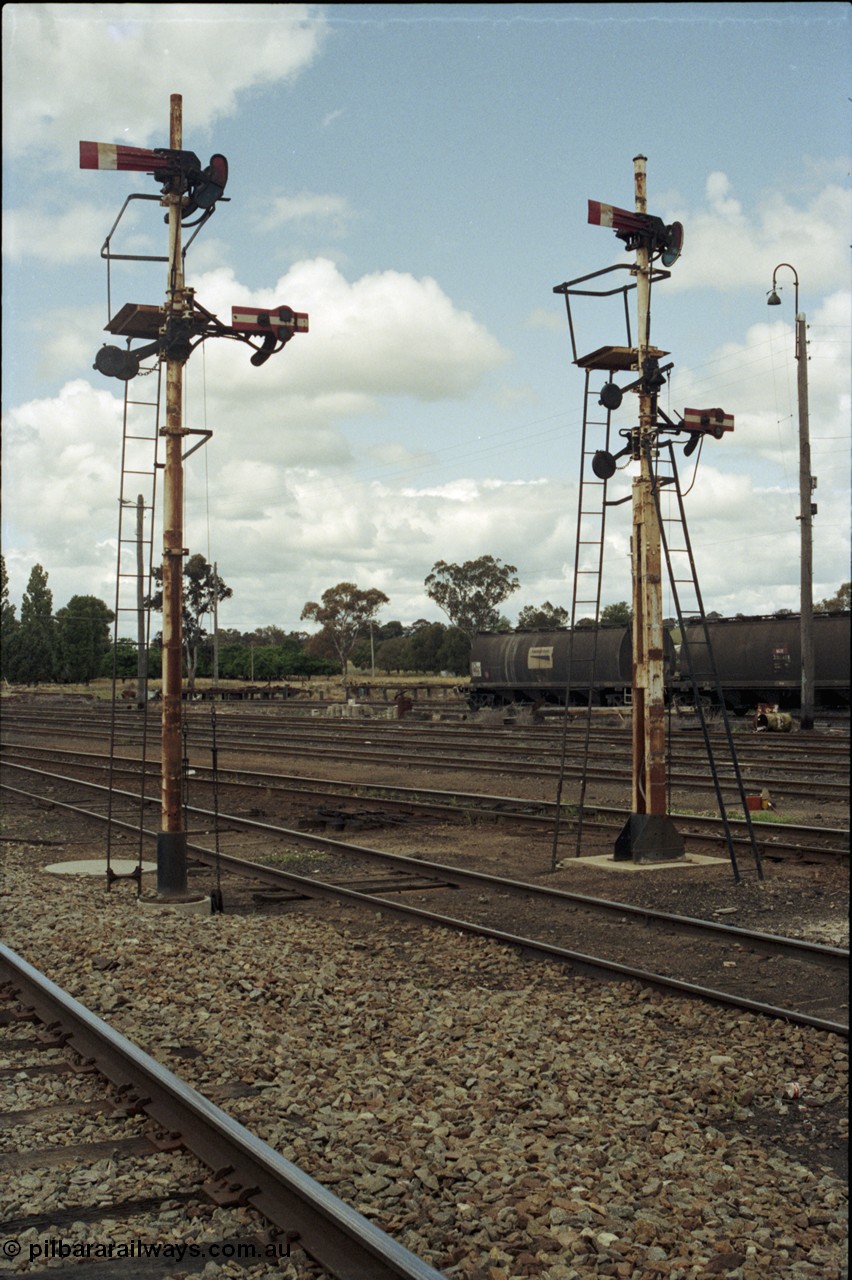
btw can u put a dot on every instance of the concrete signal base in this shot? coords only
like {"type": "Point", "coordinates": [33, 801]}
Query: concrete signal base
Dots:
{"type": "Point", "coordinates": [647, 837]}
{"type": "Point", "coordinates": [191, 905]}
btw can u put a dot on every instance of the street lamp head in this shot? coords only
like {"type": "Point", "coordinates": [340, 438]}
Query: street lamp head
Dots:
{"type": "Point", "coordinates": [773, 300]}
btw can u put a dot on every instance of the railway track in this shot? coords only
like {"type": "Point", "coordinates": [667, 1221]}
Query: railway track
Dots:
{"type": "Point", "coordinates": [150, 1119]}
{"type": "Point", "coordinates": [814, 977]}
{"type": "Point", "coordinates": [280, 721]}
{"type": "Point", "coordinates": [787, 771]}
{"type": "Point", "coordinates": [344, 805]}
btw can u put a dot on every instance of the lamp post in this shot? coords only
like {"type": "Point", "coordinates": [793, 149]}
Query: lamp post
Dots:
{"type": "Point", "coordinates": [807, 508]}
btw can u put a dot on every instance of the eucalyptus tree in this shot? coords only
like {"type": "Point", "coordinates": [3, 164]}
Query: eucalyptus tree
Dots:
{"type": "Point", "coordinates": [345, 613]}
{"type": "Point", "coordinates": [469, 593]}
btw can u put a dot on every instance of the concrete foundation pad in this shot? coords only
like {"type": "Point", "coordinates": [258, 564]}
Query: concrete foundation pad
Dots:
{"type": "Point", "coordinates": [178, 906]}
{"type": "Point", "coordinates": [98, 867]}
{"type": "Point", "coordinates": [609, 863]}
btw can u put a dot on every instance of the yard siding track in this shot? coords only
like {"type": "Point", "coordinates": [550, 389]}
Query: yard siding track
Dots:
{"type": "Point", "coordinates": [329, 1230]}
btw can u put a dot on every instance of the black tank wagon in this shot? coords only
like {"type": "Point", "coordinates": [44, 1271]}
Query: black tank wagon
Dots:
{"type": "Point", "coordinates": [532, 666]}
{"type": "Point", "coordinates": [759, 660]}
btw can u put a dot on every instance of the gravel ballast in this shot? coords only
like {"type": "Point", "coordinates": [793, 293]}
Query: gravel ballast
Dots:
{"type": "Point", "coordinates": [501, 1117]}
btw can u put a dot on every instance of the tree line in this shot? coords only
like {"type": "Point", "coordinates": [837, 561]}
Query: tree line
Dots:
{"type": "Point", "coordinates": [40, 646]}
{"type": "Point", "coordinates": [75, 645]}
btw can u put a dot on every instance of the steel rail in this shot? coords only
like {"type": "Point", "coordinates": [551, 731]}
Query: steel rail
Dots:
{"type": "Point", "coordinates": [313, 888]}
{"type": "Point", "coordinates": [751, 749]}
{"type": "Point", "coordinates": [542, 768]}
{"type": "Point", "coordinates": [275, 717]}
{"type": "Point", "coordinates": [771, 944]}
{"type": "Point", "coordinates": [784, 780]}
{"type": "Point", "coordinates": [329, 1230]}
{"type": "Point", "coordinates": [510, 808]}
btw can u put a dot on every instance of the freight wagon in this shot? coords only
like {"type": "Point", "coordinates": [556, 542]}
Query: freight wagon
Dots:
{"type": "Point", "coordinates": [532, 666]}
{"type": "Point", "coordinates": [757, 660]}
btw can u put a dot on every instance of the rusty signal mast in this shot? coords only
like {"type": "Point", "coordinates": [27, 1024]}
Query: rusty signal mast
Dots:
{"type": "Point", "coordinates": [172, 332]}
{"type": "Point", "coordinates": [649, 834]}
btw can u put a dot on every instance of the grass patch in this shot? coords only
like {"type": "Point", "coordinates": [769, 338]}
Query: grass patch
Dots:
{"type": "Point", "coordinates": [293, 856]}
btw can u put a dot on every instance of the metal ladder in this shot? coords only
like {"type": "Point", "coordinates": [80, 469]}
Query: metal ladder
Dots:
{"type": "Point", "coordinates": [139, 469]}
{"type": "Point", "coordinates": [586, 590]}
{"type": "Point", "coordinates": [696, 648]}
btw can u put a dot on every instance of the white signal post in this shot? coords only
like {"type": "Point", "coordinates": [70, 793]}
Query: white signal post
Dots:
{"type": "Point", "coordinates": [171, 842]}
{"type": "Point", "coordinates": [648, 833]}
{"type": "Point", "coordinates": [649, 763]}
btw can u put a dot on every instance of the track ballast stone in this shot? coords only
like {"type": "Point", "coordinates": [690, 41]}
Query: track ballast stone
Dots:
{"type": "Point", "coordinates": [501, 1117]}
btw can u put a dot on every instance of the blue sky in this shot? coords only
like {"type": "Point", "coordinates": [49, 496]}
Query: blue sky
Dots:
{"type": "Point", "coordinates": [416, 178]}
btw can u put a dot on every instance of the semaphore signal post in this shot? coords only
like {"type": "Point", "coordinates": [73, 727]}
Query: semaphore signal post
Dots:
{"type": "Point", "coordinates": [174, 330]}
{"type": "Point", "coordinates": [649, 835]}
{"type": "Point", "coordinates": [649, 790]}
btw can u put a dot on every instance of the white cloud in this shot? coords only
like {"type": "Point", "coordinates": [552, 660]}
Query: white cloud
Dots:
{"type": "Point", "coordinates": [54, 237]}
{"type": "Point", "coordinates": [386, 334]}
{"type": "Point", "coordinates": [57, 234]}
{"type": "Point", "coordinates": [553, 320]}
{"type": "Point", "coordinates": [288, 501]}
{"type": "Point", "coordinates": [283, 532]}
{"type": "Point", "coordinates": [392, 366]}
{"type": "Point", "coordinates": [135, 56]}
{"type": "Point", "coordinates": [756, 380]}
{"type": "Point", "coordinates": [307, 207]}
{"type": "Point", "coordinates": [718, 188]}
{"type": "Point", "coordinates": [728, 248]}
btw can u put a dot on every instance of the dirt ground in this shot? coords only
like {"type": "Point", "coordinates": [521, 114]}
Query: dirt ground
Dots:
{"type": "Point", "coordinates": [799, 899]}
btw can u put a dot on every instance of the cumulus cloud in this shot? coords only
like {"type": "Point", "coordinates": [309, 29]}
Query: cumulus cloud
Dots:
{"type": "Point", "coordinates": [756, 380]}
{"type": "Point", "coordinates": [394, 373]}
{"type": "Point", "coordinates": [288, 500]}
{"type": "Point", "coordinates": [728, 247]}
{"type": "Point", "coordinates": [385, 334]}
{"type": "Point", "coordinates": [213, 52]}
{"type": "Point", "coordinates": [320, 210]}
{"type": "Point", "coordinates": [55, 237]}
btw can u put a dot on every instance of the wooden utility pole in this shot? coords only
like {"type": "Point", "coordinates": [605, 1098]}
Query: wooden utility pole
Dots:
{"type": "Point", "coordinates": [171, 842]}
{"type": "Point", "coordinates": [806, 513]}
{"type": "Point", "coordinates": [807, 509]}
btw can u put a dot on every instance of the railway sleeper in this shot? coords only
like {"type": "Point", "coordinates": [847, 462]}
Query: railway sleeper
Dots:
{"type": "Point", "coordinates": [351, 820]}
